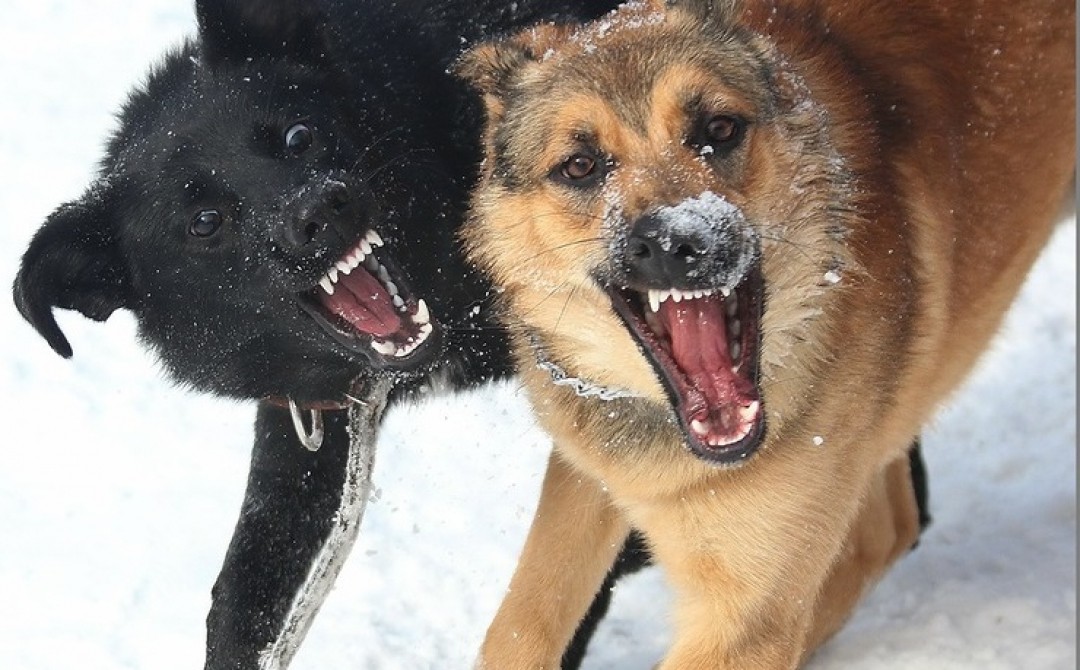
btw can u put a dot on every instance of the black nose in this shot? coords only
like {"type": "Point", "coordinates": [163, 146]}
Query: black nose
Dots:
{"type": "Point", "coordinates": [659, 254]}
{"type": "Point", "coordinates": [318, 210]}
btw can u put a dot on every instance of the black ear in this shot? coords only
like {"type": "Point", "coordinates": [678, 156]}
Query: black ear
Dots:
{"type": "Point", "coordinates": [73, 262]}
{"type": "Point", "coordinates": [241, 29]}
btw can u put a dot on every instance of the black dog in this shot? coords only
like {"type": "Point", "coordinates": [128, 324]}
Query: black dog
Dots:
{"type": "Point", "coordinates": [278, 208]}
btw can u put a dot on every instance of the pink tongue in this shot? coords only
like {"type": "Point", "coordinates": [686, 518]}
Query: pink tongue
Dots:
{"type": "Point", "coordinates": [363, 301]}
{"type": "Point", "coordinates": [699, 346]}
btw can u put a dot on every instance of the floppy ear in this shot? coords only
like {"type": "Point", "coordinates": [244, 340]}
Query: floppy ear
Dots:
{"type": "Point", "coordinates": [241, 29]}
{"type": "Point", "coordinates": [73, 262]}
{"type": "Point", "coordinates": [721, 12]}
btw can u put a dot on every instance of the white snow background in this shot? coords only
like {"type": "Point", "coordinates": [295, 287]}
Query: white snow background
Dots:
{"type": "Point", "coordinates": [118, 493]}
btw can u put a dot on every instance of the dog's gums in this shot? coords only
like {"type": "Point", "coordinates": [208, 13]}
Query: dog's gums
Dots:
{"type": "Point", "coordinates": [364, 304]}
{"type": "Point", "coordinates": [704, 344]}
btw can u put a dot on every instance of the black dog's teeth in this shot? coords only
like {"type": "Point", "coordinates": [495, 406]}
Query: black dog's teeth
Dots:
{"type": "Point", "coordinates": [362, 254]}
{"type": "Point", "coordinates": [416, 326]}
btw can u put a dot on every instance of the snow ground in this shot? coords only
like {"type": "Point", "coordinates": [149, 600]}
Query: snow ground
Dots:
{"type": "Point", "coordinates": [110, 539]}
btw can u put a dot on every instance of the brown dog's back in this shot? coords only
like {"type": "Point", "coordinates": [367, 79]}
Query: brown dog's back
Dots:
{"type": "Point", "coordinates": [900, 166]}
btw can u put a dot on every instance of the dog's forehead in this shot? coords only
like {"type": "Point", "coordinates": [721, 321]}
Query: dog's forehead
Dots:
{"type": "Point", "coordinates": [644, 69]}
{"type": "Point", "coordinates": [210, 117]}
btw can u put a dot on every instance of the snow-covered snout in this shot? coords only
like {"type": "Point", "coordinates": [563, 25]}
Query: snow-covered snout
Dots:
{"type": "Point", "coordinates": [701, 245]}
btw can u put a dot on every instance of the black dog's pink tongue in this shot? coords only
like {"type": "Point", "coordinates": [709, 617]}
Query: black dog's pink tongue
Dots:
{"type": "Point", "coordinates": [363, 301]}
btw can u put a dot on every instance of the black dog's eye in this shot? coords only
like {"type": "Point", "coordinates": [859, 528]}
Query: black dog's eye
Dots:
{"type": "Point", "coordinates": [298, 138]}
{"type": "Point", "coordinates": [580, 169]}
{"type": "Point", "coordinates": [205, 223]}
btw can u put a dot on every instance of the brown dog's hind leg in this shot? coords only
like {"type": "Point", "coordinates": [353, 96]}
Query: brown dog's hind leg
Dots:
{"type": "Point", "coordinates": [574, 539]}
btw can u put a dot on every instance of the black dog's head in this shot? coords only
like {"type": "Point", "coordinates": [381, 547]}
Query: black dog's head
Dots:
{"type": "Point", "coordinates": [261, 216]}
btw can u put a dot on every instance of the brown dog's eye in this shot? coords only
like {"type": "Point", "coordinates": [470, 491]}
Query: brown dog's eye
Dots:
{"type": "Point", "coordinates": [579, 166]}
{"type": "Point", "coordinates": [581, 169]}
{"type": "Point", "coordinates": [722, 131]}
{"type": "Point", "coordinates": [205, 223]}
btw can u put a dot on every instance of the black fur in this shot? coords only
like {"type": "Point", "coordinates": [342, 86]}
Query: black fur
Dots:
{"type": "Point", "coordinates": [394, 149]}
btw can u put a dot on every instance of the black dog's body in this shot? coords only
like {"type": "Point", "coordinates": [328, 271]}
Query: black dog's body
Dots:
{"type": "Point", "coordinates": [255, 158]}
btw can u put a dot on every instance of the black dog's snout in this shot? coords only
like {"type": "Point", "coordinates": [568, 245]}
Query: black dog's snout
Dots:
{"type": "Point", "coordinates": [658, 254]}
{"type": "Point", "coordinates": [315, 213]}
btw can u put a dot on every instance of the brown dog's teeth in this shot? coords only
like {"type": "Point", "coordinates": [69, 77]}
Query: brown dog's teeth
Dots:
{"type": "Point", "coordinates": [731, 304]}
{"type": "Point", "coordinates": [750, 412]}
{"type": "Point", "coordinates": [653, 321]}
{"type": "Point", "coordinates": [655, 298]}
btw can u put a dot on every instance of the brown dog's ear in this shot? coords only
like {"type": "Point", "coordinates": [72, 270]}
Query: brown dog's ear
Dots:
{"type": "Point", "coordinates": [718, 12]}
{"type": "Point", "coordinates": [73, 262]}
{"type": "Point", "coordinates": [491, 66]}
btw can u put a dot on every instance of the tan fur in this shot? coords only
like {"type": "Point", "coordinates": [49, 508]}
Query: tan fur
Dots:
{"type": "Point", "coordinates": [915, 150]}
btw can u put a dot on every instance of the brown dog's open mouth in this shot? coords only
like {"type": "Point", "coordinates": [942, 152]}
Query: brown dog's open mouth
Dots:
{"type": "Point", "coordinates": [364, 303]}
{"type": "Point", "coordinates": [705, 347]}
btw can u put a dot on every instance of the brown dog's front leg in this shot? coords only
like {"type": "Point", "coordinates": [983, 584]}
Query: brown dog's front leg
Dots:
{"type": "Point", "coordinates": [572, 543]}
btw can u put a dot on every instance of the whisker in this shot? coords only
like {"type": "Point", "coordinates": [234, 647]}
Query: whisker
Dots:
{"type": "Point", "coordinates": [801, 248]}
{"type": "Point", "coordinates": [375, 143]}
{"type": "Point", "coordinates": [560, 247]}
{"type": "Point", "coordinates": [544, 299]}
{"type": "Point", "coordinates": [566, 304]}
{"type": "Point", "coordinates": [537, 217]}
{"type": "Point", "coordinates": [393, 162]}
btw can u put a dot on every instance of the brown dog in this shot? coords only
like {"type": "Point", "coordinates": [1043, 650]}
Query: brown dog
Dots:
{"type": "Point", "coordinates": [745, 252]}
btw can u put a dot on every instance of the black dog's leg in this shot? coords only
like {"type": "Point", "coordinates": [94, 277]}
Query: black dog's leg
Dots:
{"type": "Point", "coordinates": [920, 484]}
{"type": "Point", "coordinates": [286, 516]}
{"type": "Point", "coordinates": [633, 556]}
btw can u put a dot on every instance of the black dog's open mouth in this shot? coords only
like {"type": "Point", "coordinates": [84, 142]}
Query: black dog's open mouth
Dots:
{"type": "Point", "coordinates": [364, 303]}
{"type": "Point", "coordinates": [705, 346]}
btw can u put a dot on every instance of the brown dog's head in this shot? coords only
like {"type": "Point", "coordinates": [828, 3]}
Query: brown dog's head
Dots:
{"type": "Point", "coordinates": [658, 173]}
